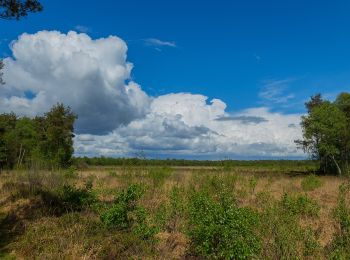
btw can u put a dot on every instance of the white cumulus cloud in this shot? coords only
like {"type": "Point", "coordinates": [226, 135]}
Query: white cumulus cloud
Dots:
{"type": "Point", "coordinates": [117, 118]}
{"type": "Point", "coordinates": [88, 75]}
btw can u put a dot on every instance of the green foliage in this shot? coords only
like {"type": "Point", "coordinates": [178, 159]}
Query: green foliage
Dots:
{"type": "Point", "coordinates": [253, 181]}
{"type": "Point", "coordinates": [56, 139]}
{"type": "Point", "coordinates": [159, 175]}
{"type": "Point", "coordinates": [282, 234]}
{"type": "Point", "coordinates": [340, 247]}
{"type": "Point", "coordinates": [125, 214]}
{"type": "Point", "coordinates": [10, 9]}
{"type": "Point", "coordinates": [141, 226]}
{"type": "Point", "coordinates": [119, 214]}
{"type": "Point", "coordinates": [231, 164]}
{"type": "Point", "coordinates": [113, 174]}
{"type": "Point", "coordinates": [326, 133]}
{"type": "Point", "coordinates": [311, 182]}
{"type": "Point", "coordinates": [70, 172]}
{"type": "Point", "coordinates": [220, 229]}
{"type": "Point", "coordinates": [300, 205]}
{"type": "Point", "coordinates": [76, 199]}
{"type": "Point", "coordinates": [46, 140]}
{"type": "Point", "coordinates": [170, 215]}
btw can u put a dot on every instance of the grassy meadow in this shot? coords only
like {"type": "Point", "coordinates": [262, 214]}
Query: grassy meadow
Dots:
{"type": "Point", "coordinates": [279, 211]}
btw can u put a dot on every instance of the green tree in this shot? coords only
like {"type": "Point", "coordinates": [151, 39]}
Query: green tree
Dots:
{"type": "Point", "coordinates": [15, 9]}
{"type": "Point", "coordinates": [325, 134]}
{"type": "Point", "coordinates": [56, 134]}
{"type": "Point", "coordinates": [7, 125]}
{"type": "Point", "coordinates": [343, 103]}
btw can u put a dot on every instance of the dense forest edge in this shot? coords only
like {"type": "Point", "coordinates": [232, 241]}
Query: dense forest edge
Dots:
{"type": "Point", "coordinates": [47, 141]}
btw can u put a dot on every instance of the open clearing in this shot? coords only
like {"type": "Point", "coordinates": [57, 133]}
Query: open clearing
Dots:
{"type": "Point", "coordinates": [296, 213]}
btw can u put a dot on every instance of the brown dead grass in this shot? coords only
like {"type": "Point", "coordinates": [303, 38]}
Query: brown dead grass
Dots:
{"type": "Point", "coordinates": [174, 245]}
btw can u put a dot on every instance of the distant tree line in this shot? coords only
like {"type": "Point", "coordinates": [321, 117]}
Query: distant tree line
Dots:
{"type": "Point", "coordinates": [46, 140]}
{"type": "Point", "coordinates": [109, 161]}
{"type": "Point", "coordinates": [326, 133]}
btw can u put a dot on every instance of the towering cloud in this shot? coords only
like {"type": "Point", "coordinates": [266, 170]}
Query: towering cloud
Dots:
{"type": "Point", "coordinates": [117, 118]}
{"type": "Point", "coordinates": [88, 75]}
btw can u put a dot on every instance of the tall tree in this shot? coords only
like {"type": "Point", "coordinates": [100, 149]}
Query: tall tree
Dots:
{"type": "Point", "coordinates": [7, 153]}
{"type": "Point", "coordinates": [58, 126]}
{"type": "Point", "coordinates": [326, 133]}
{"type": "Point", "coordinates": [15, 9]}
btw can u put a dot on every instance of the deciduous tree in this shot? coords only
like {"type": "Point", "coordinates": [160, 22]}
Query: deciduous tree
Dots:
{"type": "Point", "coordinates": [326, 132]}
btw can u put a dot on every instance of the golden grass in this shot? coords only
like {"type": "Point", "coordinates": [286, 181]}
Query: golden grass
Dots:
{"type": "Point", "coordinates": [45, 236]}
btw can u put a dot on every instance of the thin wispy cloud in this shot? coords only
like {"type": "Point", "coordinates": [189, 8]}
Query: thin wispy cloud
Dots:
{"type": "Point", "coordinates": [82, 28]}
{"type": "Point", "coordinates": [153, 42]}
{"type": "Point", "coordinates": [257, 58]}
{"type": "Point", "coordinates": [243, 119]}
{"type": "Point", "coordinates": [276, 91]}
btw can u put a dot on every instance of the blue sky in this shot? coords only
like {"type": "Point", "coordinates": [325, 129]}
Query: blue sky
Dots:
{"type": "Point", "coordinates": [225, 49]}
{"type": "Point", "coordinates": [249, 54]}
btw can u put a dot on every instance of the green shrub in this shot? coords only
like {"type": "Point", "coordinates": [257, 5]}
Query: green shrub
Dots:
{"type": "Point", "coordinates": [311, 245]}
{"type": "Point", "coordinates": [281, 231]}
{"type": "Point", "coordinates": [141, 228]}
{"type": "Point", "coordinates": [282, 234]}
{"type": "Point", "coordinates": [311, 183]}
{"type": "Point", "coordinates": [220, 229]}
{"type": "Point", "coordinates": [125, 214]}
{"type": "Point", "coordinates": [112, 174]}
{"type": "Point", "coordinates": [169, 215]}
{"type": "Point", "coordinates": [71, 173]}
{"type": "Point", "coordinates": [77, 198]}
{"type": "Point", "coordinates": [159, 175]}
{"type": "Point", "coordinates": [117, 216]}
{"type": "Point", "coordinates": [300, 205]}
{"type": "Point", "coordinates": [253, 182]}
{"type": "Point", "coordinates": [340, 246]}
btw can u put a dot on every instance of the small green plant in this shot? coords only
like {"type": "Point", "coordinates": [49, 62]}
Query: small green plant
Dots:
{"type": "Point", "coordinates": [117, 216]}
{"type": "Point", "coordinates": [76, 199]}
{"type": "Point", "coordinates": [300, 205]}
{"type": "Point", "coordinates": [253, 181]}
{"type": "Point", "coordinates": [340, 247]}
{"type": "Point", "coordinates": [125, 214]}
{"type": "Point", "coordinates": [311, 246]}
{"type": "Point", "coordinates": [311, 182]}
{"type": "Point", "coordinates": [282, 234]}
{"type": "Point", "coordinates": [71, 172]}
{"type": "Point", "coordinates": [112, 174]}
{"type": "Point", "coordinates": [220, 229]}
{"type": "Point", "coordinates": [159, 175]}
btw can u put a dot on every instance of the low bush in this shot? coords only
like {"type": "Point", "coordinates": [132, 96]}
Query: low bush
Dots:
{"type": "Point", "coordinates": [70, 173]}
{"type": "Point", "coordinates": [300, 205]}
{"type": "Point", "coordinates": [283, 236]}
{"type": "Point", "coordinates": [311, 182]}
{"type": "Point", "coordinates": [340, 246]}
{"type": "Point", "coordinates": [159, 175]}
{"type": "Point", "coordinates": [125, 214]}
{"type": "Point", "coordinates": [220, 229]}
{"type": "Point", "coordinates": [76, 199]}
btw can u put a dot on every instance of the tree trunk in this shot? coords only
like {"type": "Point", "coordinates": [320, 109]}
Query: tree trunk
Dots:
{"type": "Point", "coordinates": [336, 164]}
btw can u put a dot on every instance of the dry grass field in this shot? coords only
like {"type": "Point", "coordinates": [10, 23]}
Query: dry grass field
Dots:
{"type": "Point", "coordinates": [174, 213]}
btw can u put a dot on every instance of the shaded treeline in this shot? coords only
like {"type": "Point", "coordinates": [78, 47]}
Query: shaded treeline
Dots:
{"type": "Point", "coordinates": [46, 141]}
{"type": "Point", "coordinates": [108, 161]}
